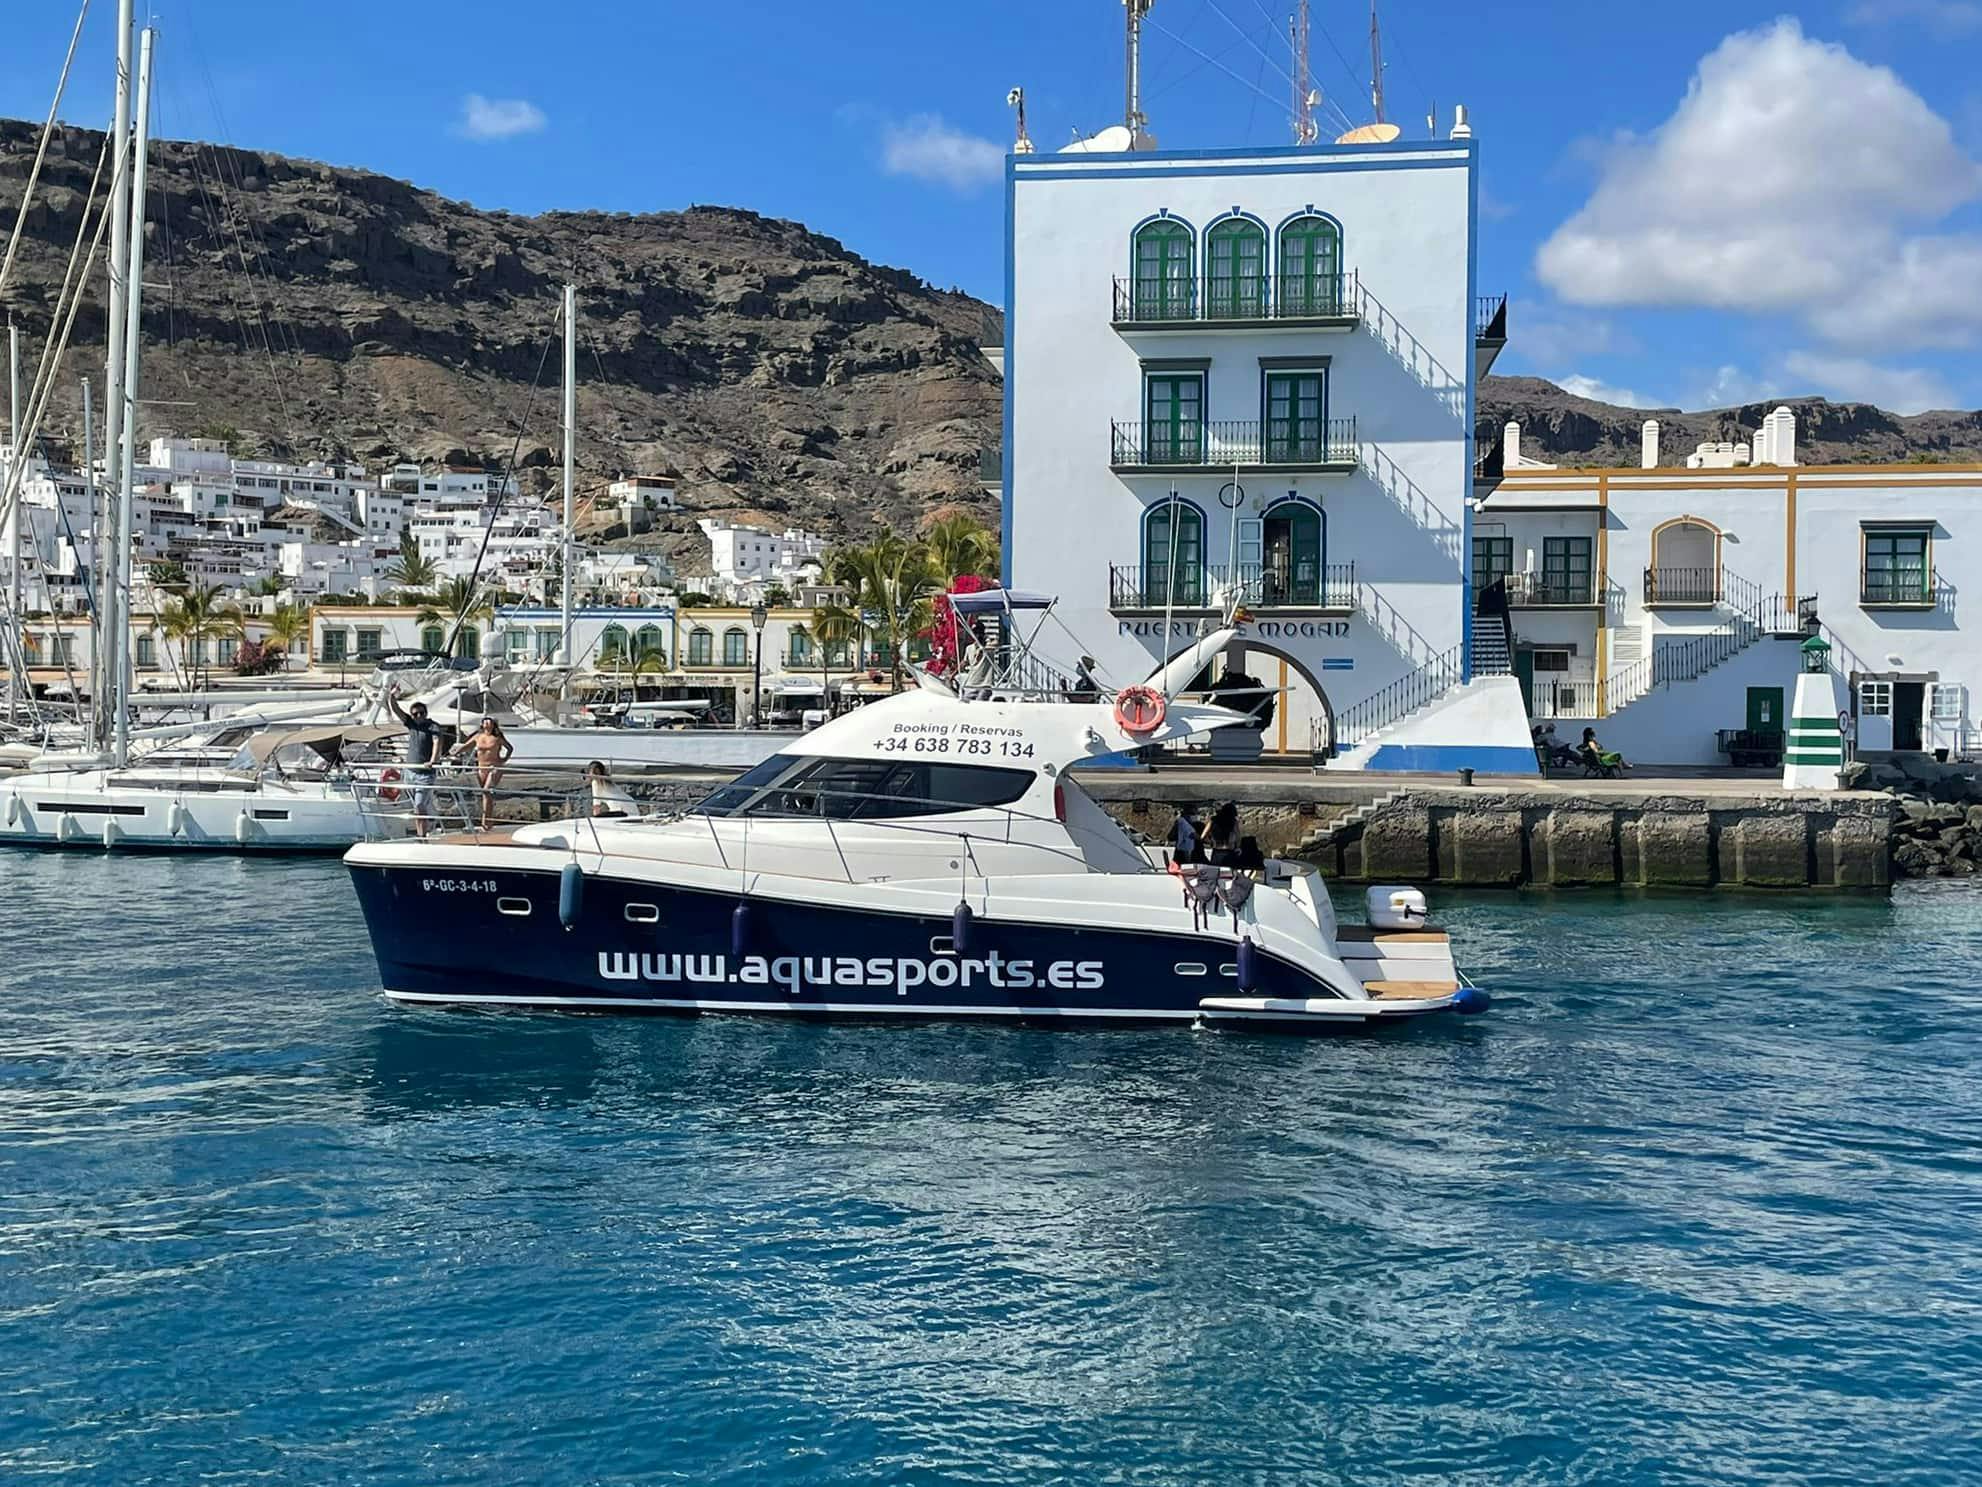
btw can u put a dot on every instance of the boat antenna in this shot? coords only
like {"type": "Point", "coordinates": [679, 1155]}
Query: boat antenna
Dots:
{"type": "Point", "coordinates": [1023, 144]}
{"type": "Point", "coordinates": [1305, 97]}
{"type": "Point", "coordinates": [1137, 122]}
{"type": "Point", "coordinates": [1376, 64]}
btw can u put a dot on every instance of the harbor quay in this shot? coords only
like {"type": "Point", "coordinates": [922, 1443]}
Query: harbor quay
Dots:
{"type": "Point", "coordinates": [1707, 832]}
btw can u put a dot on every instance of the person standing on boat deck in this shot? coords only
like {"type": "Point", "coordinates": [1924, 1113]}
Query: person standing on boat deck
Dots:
{"type": "Point", "coordinates": [423, 743]}
{"type": "Point", "coordinates": [1221, 840]}
{"type": "Point", "coordinates": [492, 749]}
{"type": "Point", "coordinates": [1086, 688]}
{"type": "Point", "coordinates": [1186, 835]}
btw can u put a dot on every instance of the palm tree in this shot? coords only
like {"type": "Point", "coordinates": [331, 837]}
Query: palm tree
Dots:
{"type": "Point", "coordinates": [197, 614]}
{"type": "Point", "coordinates": [456, 605]}
{"type": "Point", "coordinates": [832, 626]}
{"type": "Point", "coordinates": [893, 582]}
{"type": "Point", "coordinates": [960, 544]}
{"type": "Point", "coordinates": [412, 569]}
{"type": "Point", "coordinates": [288, 625]}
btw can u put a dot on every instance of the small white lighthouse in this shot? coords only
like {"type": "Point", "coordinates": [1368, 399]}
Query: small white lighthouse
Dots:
{"type": "Point", "coordinates": [1813, 753]}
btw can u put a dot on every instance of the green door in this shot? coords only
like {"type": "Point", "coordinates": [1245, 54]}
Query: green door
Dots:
{"type": "Point", "coordinates": [1166, 278]}
{"type": "Point", "coordinates": [1310, 267]}
{"type": "Point", "coordinates": [1296, 418]}
{"type": "Point", "coordinates": [1235, 274]}
{"type": "Point", "coordinates": [1765, 710]}
{"type": "Point", "coordinates": [1176, 420]}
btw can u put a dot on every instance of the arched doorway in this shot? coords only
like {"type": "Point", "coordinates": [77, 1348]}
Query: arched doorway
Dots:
{"type": "Point", "coordinates": [1303, 717]}
{"type": "Point", "coordinates": [1685, 563]}
{"type": "Point", "coordinates": [1294, 546]}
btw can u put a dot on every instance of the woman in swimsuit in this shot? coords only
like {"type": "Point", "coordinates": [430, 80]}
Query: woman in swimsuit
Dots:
{"type": "Point", "coordinates": [492, 750]}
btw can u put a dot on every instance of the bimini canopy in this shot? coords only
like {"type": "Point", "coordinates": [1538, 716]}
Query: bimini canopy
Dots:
{"type": "Point", "coordinates": [327, 739]}
{"type": "Point", "coordinates": [997, 601]}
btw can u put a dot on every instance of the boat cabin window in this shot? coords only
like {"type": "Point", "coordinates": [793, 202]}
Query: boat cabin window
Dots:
{"type": "Point", "coordinates": [864, 789]}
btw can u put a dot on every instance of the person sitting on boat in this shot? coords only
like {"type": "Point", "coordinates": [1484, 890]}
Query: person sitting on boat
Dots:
{"type": "Point", "coordinates": [1221, 840]}
{"type": "Point", "coordinates": [423, 745]}
{"type": "Point", "coordinates": [492, 748]}
{"type": "Point", "coordinates": [1186, 837]}
{"type": "Point", "coordinates": [1599, 760]}
{"type": "Point", "coordinates": [607, 798]}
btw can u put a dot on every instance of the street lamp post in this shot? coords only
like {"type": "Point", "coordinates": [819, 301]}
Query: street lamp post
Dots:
{"type": "Point", "coordinates": [758, 616]}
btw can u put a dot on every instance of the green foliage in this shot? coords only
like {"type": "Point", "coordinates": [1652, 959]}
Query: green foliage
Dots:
{"type": "Point", "coordinates": [411, 569]}
{"type": "Point", "coordinates": [694, 600]}
{"type": "Point", "coordinates": [456, 604]}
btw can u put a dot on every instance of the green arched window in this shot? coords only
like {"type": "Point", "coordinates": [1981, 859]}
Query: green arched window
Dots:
{"type": "Point", "coordinates": [1165, 271]}
{"type": "Point", "coordinates": [801, 647]}
{"type": "Point", "coordinates": [736, 648]}
{"type": "Point", "coordinates": [612, 643]}
{"type": "Point", "coordinates": [1310, 267]}
{"type": "Point", "coordinates": [469, 644]}
{"type": "Point", "coordinates": [1173, 555]}
{"type": "Point", "coordinates": [649, 644]}
{"type": "Point", "coordinates": [1294, 548]}
{"type": "Point", "coordinates": [1235, 269]}
{"type": "Point", "coordinates": [701, 645]}
{"type": "Point", "coordinates": [432, 638]}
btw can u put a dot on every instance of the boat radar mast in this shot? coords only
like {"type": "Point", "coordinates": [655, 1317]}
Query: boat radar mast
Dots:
{"type": "Point", "coordinates": [1134, 119]}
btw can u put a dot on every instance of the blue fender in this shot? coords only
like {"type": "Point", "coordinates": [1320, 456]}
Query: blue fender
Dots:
{"type": "Point", "coordinates": [570, 894]}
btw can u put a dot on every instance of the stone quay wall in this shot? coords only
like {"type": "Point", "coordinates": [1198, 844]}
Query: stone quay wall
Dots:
{"type": "Point", "coordinates": [1511, 837]}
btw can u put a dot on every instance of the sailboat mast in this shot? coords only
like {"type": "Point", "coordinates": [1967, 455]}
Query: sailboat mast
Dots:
{"type": "Point", "coordinates": [20, 511]}
{"type": "Point", "coordinates": [105, 555]}
{"type": "Point", "coordinates": [570, 469]}
{"type": "Point", "coordinates": [1376, 64]}
{"type": "Point", "coordinates": [133, 310]}
{"type": "Point", "coordinates": [93, 583]}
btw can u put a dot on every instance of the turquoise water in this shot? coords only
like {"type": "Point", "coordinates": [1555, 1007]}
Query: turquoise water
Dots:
{"type": "Point", "coordinates": [1699, 1201]}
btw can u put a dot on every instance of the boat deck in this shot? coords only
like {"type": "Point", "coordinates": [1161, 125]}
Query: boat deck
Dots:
{"type": "Point", "coordinates": [1408, 990]}
{"type": "Point", "coordinates": [1366, 934]}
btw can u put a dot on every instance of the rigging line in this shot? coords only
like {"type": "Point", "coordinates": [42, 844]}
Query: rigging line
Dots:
{"type": "Point", "coordinates": [1196, 16]}
{"type": "Point", "coordinates": [1259, 92]}
{"type": "Point", "coordinates": [1219, 11]}
{"type": "Point", "coordinates": [214, 217]}
{"type": "Point", "coordinates": [1213, 61]}
{"type": "Point", "coordinates": [1191, 72]}
{"type": "Point", "coordinates": [227, 218]}
{"type": "Point", "coordinates": [516, 450]}
{"type": "Point", "coordinates": [41, 154]}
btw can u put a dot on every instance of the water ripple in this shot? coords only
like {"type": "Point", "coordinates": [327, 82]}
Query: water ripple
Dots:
{"type": "Point", "coordinates": [1700, 1201]}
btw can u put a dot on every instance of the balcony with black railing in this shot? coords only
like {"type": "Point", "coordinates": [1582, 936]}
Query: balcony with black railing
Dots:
{"type": "Point", "coordinates": [1543, 590]}
{"type": "Point", "coordinates": [1324, 302]}
{"type": "Point", "coordinates": [1329, 588]}
{"type": "Point", "coordinates": [1312, 446]}
{"type": "Point", "coordinates": [1682, 586]}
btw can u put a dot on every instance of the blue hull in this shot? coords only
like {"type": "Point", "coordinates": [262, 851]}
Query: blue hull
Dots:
{"type": "Point", "coordinates": [496, 938]}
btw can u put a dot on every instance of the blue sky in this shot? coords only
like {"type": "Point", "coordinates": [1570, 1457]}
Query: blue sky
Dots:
{"type": "Point", "coordinates": [1731, 201]}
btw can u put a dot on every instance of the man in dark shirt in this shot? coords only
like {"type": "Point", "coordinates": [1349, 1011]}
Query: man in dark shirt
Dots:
{"type": "Point", "coordinates": [423, 745]}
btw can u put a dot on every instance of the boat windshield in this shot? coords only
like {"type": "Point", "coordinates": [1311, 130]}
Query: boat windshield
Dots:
{"type": "Point", "coordinates": [864, 789]}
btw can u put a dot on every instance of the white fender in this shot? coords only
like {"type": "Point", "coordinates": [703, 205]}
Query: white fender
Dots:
{"type": "Point", "coordinates": [178, 820]}
{"type": "Point", "coordinates": [69, 830]}
{"type": "Point", "coordinates": [244, 828]}
{"type": "Point", "coordinates": [13, 807]}
{"type": "Point", "coordinates": [112, 832]}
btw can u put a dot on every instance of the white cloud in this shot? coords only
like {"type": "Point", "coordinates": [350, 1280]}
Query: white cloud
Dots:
{"type": "Point", "coordinates": [498, 118]}
{"type": "Point", "coordinates": [927, 149]}
{"type": "Point", "coordinates": [1786, 180]}
{"type": "Point", "coordinates": [1853, 379]}
{"type": "Point", "coordinates": [1731, 385]}
{"type": "Point", "coordinates": [1577, 385]}
{"type": "Point", "coordinates": [1943, 17]}
{"type": "Point", "coordinates": [1548, 335]}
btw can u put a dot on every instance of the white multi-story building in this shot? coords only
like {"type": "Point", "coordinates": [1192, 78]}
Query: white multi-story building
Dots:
{"type": "Point", "coordinates": [744, 560]}
{"type": "Point", "coordinates": [640, 498]}
{"type": "Point", "coordinates": [1666, 606]}
{"type": "Point", "coordinates": [1253, 372]}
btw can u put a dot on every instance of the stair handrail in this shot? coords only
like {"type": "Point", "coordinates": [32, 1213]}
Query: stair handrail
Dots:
{"type": "Point", "coordinates": [1409, 692]}
{"type": "Point", "coordinates": [1688, 660]}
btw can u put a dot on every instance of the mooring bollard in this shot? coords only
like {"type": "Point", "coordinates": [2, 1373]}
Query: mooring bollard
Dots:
{"type": "Point", "coordinates": [1465, 777]}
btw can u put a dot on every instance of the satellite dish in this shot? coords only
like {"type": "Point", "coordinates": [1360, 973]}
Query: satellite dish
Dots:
{"type": "Point", "coordinates": [1370, 134]}
{"type": "Point", "coordinates": [1114, 140]}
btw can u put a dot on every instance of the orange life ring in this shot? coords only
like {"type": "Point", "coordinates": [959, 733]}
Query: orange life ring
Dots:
{"type": "Point", "coordinates": [1139, 709]}
{"type": "Point", "coordinates": [386, 778]}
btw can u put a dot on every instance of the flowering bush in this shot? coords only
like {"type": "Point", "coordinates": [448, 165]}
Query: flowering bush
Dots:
{"type": "Point", "coordinates": [945, 633]}
{"type": "Point", "coordinates": [257, 658]}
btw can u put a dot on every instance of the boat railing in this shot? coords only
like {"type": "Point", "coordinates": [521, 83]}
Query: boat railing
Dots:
{"type": "Point", "coordinates": [394, 803]}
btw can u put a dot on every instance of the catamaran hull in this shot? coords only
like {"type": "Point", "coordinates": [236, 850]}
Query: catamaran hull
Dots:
{"type": "Point", "coordinates": [78, 813]}
{"type": "Point", "coordinates": [500, 937]}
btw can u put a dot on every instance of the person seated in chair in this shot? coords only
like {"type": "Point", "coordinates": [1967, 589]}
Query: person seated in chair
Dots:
{"type": "Point", "coordinates": [1599, 760]}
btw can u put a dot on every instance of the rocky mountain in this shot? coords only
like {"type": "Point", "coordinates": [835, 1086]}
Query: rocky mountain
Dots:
{"type": "Point", "coordinates": [1561, 428]}
{"type": "Point", "coordinates": [307, 309]}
